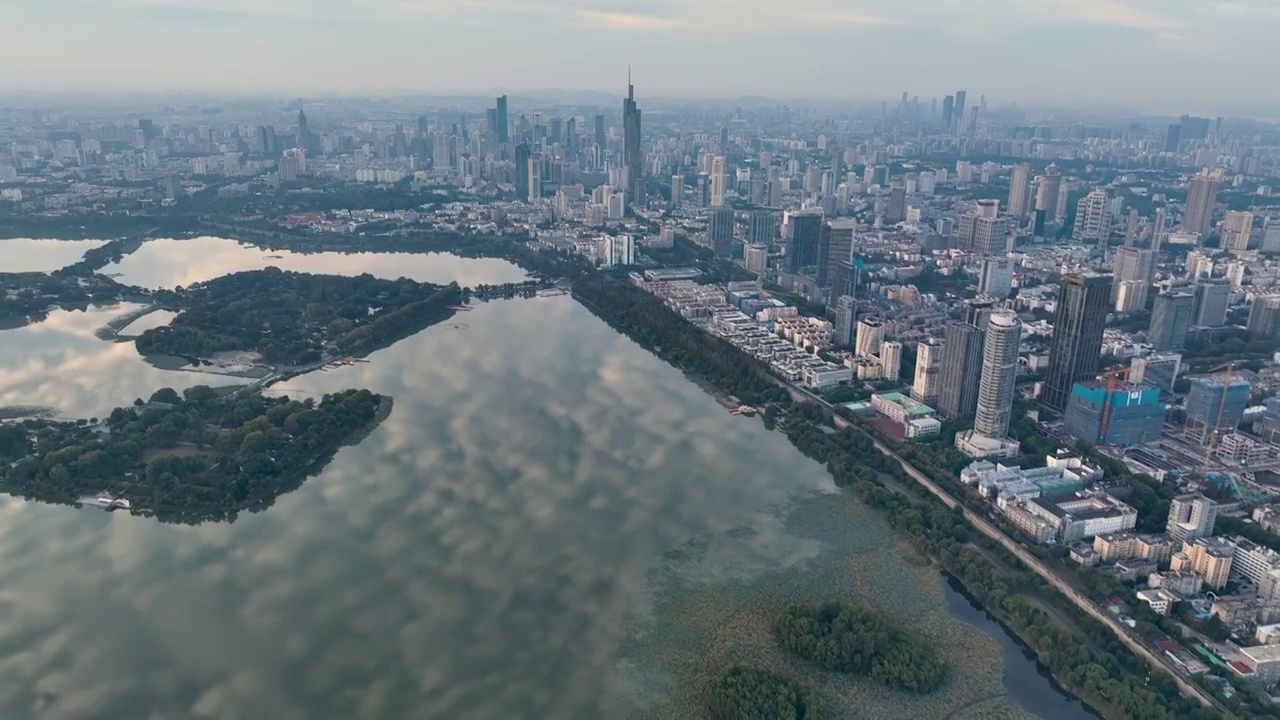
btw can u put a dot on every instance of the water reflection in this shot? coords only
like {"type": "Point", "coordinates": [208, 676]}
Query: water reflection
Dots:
{"type": "Point", "coordinates": [169, 263]}
{"type": "Point", "coordinates": [476, 557]}
{"type": "Point", "coordinates": [58, 363]}
{"type": "Point", "coordinates": [25, 255]}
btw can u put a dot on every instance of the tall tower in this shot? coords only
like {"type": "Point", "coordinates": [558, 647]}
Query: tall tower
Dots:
{"type": "Point", "coordinates": [928, 371]}
{"type": "Point", "coordinates": [304, 134]}
{"type": "Point", "coordinates": [1202, 195]}
{"type": "Point", "coordinates": [1077, 335]}
{"type": "Point", "coordinates": [1093, 218]}
{"type": "Point", "coordinates": [1170, 317]}
{"type": "Point", "coordinates": [1236, 228]}
{"type": "Point", "coordinates": [718, 180]}
{"type": "Point", "coordinates": [502, 128]}
{"type": "Point", "coordinates": [962, 362]}
{"type": "Point", "coordinates": [999, 374]}
{"type": "Point", "coordinates": [1020, 190]}
{"type": "Point", "coordinates": [632, 157]}
{"type": "Point", "coordinates": [1047, 198]}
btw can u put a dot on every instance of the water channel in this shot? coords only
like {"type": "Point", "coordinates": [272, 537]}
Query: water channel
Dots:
{"type": "Point", "coordinates": [553, 523]}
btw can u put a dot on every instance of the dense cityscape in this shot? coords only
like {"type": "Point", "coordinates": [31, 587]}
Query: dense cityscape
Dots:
{"type": "Point", "coordinates": [1063, 325]}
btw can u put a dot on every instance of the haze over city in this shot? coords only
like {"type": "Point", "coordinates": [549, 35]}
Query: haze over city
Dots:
{"type": "Point", "coordinates": [1210, 56]}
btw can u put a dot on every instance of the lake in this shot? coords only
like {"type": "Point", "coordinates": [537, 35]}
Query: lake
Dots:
{"type": "Point", "coordinates": [169, 263]}
{"type": "Point", "coordinates": [26, 255]}
{"type": "Point", "coordinates": [553, 523]}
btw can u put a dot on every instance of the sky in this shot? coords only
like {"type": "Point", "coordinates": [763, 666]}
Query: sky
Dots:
{"type": "Point", "coordinates": [1192, 54]}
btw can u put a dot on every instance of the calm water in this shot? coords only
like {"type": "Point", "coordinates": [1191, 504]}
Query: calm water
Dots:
{"type": "Point", "coordinates": [24, 255]}
{"type": "Point", "coordinates": [483, 554]}
{"type": "Point", "coordinates": [169, 263]}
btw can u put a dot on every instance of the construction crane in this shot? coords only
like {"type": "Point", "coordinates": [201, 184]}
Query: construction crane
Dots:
{"type": "Point", "coordinates": [1111, 376]}
{"type": "Point", "coordinates": [1211, 434]}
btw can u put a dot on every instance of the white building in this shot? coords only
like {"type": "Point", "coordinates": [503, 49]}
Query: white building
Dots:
{"type": "Point", "coordinates": [614, 250]}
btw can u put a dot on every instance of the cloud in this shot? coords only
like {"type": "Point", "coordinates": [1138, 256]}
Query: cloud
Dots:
{"type": "Point", "coordinates": [1118, 14]}
{"type": "Point", "coordinates": [628, 21]}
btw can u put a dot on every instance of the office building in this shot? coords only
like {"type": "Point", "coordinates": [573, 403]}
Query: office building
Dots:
{"type": "Point", "coordinates": [1271, 236]}
{"type": "Point", "coordinates": [1159, 369]}
{"type": "Point", "coordinates": [890, 360]}
{"type": "Point", "coordinates": [1170, 319]}
{"type": "Point", "coordinates": [632, 156]}
{"type": "Point", "coordinates": [1216, 405]}
{"type": "Point", "coordinates": [522, 155]}
{"type": "Point", "coordinates": [756, 258]}
{"type": "Point", "coordinates": [984, 231]}
{"type": "Point", "coordinates": [996, 277]}
{"type": "Point", "coordinates": [718, 180]}
{"type": "Point", "coordinates": [720, 231]}
{"type": "Point", "coordinates": [846, 315]}
{"type": "Point", "coordinates": [616, 250]}
{"type": "Point", "coordinates": [897, 209]}
{"type": "Point", "coordinates": [1191, 517]}
{"type": "Point", "coordinates": [1131, 228]}
{"type": "Point", "coordinates": [1264, 316]}
{"type": "Point", "coordinates": [1093, 219]}
{"type": "Point", "coordinates": [764, 227]}
{"type": "Point", "coordinates": [502, 125]}
{"type": "Point", "coordinates": [1213, 297]}
{"type": "Point", "coordinates": [1236, 228]}
{"type": "Point", "coordinates": [961, 371]}
{"type": "Point", "coordinates": [870, 337]}
{"type": "Point", "coordinates": [1019, 190]}
{"type": "Point", "coordinates": [839, 235]}
{"type": "Point", "coordinates": [677, 192]}
{"type": "Point", "coordinates": [928, 373]}
{"type": "Point", "coordinates": [1129, 414]}
{"type": "Point", "coordinates": [804, 234]}
{"type": "Point", "coordinates": [1077, 335]}
{"type": "Point", "coordinates": [1131, 296]}
{"type": "Point", "coordinates": [1047, 192]}
{"type": "Point", "coordinates": [999, 374]}
{"type": "Point", "coordinates": [844, 279]}
{"type": "Point", "coordinates": [1130, 263]}
{"type": "Point", "coordinates": [1202, 196]}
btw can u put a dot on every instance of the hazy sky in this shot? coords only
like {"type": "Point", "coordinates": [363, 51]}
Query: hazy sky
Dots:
{"type": "Point", "coordinates": [1191, 54]}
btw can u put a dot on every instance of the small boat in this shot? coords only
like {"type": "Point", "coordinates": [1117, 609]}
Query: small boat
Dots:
{"type": "Point", "coordinates": [108, 503]}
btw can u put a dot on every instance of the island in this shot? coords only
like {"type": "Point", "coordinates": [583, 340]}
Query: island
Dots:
{"type": "Point", "coordinates": [198, 456]}
{"type": "Point", "coordinates": [861, 641]}
{"type": "Point", "coordinates": [29, 296]}
{"type": "Point", "coordinates": [747, 693]}
{"type": "Point", "coordinates": [295, 319]}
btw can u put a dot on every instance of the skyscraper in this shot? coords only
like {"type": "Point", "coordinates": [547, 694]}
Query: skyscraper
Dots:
{"type": "Point", "coordinates": [804, 236]}
{"type": "Point", "coordinates": [1047, 192]}
{"type": "Point", "coordinates": [1130, 263]}
{"type": "Point", "coordinates": [501, 126]}
{"type": "Point", "coordinates": [1019, 190]}
{"type": "Point", "coordinates": [999, 374]}
{"type": "Point", "coordinates": [890, 360]}
{"type": "Point", "coordinates": [1264, 316]}
{"type": "Point", "coordinates": [632, 157]}
{"type": "Point", "coordinates": [846, 316]}
{"type": "Point", "coordinates": [870, 337]}
{"type": "Point", "coordinates": [948, 111]}
{"type": "Point", "coordinates": [304, 133]}
{"type": "Point", "coordinates": [958, 114]}
{"type": "Point", "coordinates": [522, 171]}
{"type": "Point", "coordinates": [897, 209]}
{"type": "Point", "coordinates": [720, 230]}
{"type": "Point", "coordinates": [718, 180]}
{"type": "Point", "coordinates": [1202, 195]}
{"type": "Point", "coordinates": [962, 362]}
{"type": "Point", "coordinates": [1077, 335]}
{"type": "Point", "coordinates": [1170, 319]}
{"type": "Point", "coordinates": [764, 227]}
{"type": "Point", "coordinates": [996, 277]}
{"type": "Point", "coordinates": [839, 248]}
{"type": "Point", "coordinates": [1236, 227]}
{"type": "Point", "coordinates": [984, 231]}
{"type": "Point", "coordinates": [1213, 297]}
{"type": "Point", "coordinates": [928, 371]}
{"type": "Point", "coordinates": [599, 131]}
{"type": "Point", "coordinates": [1093, 218]}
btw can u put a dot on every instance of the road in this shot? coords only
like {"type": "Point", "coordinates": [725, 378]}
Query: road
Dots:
{"type": "Point", "coordinates": [1037, 566]}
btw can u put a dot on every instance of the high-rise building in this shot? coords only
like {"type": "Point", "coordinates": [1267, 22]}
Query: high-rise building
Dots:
{"type": "Point", "coordinates": [304, 132]}
{"type": "Point", "coordinates": [764, 227]}
{"type": "Point", "coordinates": [928, 373]}
{"type": "Point", "coordinates": [1093, 218]}
{"type": "Point", "coordinates": [996, 277]}
{"type": "Point", "coordinates": [535, 177]}
{"type": "Point", "coordinates": [502, 130]}
{"type": "Point", "coordinates": [1077, 335]}
{"type": "Point", "coordinates": [846, 316]}
{"type": "Point", "coordinates": [1131, 228]}
{"type": "Point", "coordinates": [1213, 297]}
{"type": "Point", "coordinates": [890, 360]}
{"type": "Point", "coordinates": [1130, 263]}
{"type": "Point", "coordinates": [522, 170]}
{"type": "Point", "coordinates": [720, 231]}
{"type": "Point", "coordinates": [839, 245]}
{"type": "Point", "coordinates": [718, 180]}
{"type": "Point", "coordinates": [1202, 195]}
{"type": "Point", "coordinates": [984, 231]}
{"type": "Point", "coordinates": [804, 235]}
{"type": "Point", "coordinates": [870, 337]}
{"type": "Point", "coordinates": [1158, 229]}
{"type": "Point", "coordinates": [1170, 320]}
{"type": "Point", "coordinates": [1271, 236]}
{"type": "Point", "coordinates": [1131, 296]}
{"type": "Point", "coordinates": [1133, 414]}
{"type": "Point", "coordinates": [1191, 517]}
{"type": "Point", "coordinates": [999, 374]}
{"type": "Point", "coordinates": [1236, 227]}
{"type": "Point", "coordinates": [1215, 404]}
{"type": "Point", "coordinates": [1019, 190]}
{"type": "Point", "coordinates": [1047, 192]}
{"type": "Point", "coordinates": [1264, 316]}
{"type": "Point", "coordinates": [958, 115]}
{"type": "Point", "coordinates": [756, 258]}
{"type": "Point", "coordinates": [677, 191]}
{"type": "Point", "coordinates": [632, 156]}
{"type": "Point", "coordinates": [897, 209]}
{"type": "Point", "coordinates": [961, 371]}
{"type": "Point", "coordinates": [948, 111]}
{"type": "Point", "coordinates": [599, 135]}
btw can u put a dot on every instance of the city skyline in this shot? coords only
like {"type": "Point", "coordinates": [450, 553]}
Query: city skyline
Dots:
{"type": "Point", "coordinates": [394, 45]}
